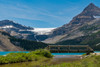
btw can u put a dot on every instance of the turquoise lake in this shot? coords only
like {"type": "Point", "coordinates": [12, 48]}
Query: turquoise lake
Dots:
{"type": "Point", "coordinates": [7, 52]}
{"type": "Point", "coordinates": [68, 53]}
{"type": "Point", "coordinates": [72, 53]}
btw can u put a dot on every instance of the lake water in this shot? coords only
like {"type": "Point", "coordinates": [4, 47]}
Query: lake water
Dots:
{"type": "Point", "coordinates": [68, 53]}
{"type": "Point", "coordinates": [96, 51]}
{"type": "Point", "coordinates": [72, 53]}
{"type": "Point", "coordinates": [6, 52]}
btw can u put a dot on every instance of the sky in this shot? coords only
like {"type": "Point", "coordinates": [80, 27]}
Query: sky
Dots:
{"type": "Point", "coordinates": [42, 13]}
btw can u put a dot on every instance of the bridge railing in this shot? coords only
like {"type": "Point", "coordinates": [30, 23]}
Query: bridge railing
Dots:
{"type": "Point", "coordinates": [68, 48]}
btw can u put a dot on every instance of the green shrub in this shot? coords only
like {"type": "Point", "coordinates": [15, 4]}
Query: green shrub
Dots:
{"type": "Point", "coordinates": [43, 52]}
{"type": "Point", "coordinates": [22, 57]}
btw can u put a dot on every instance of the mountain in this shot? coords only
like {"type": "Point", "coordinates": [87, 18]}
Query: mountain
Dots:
{"type": "Point", "coordinates": [12, 24]}
{"type": "Point", "coordinates": [5, 44]}
{"type": "Point", "coordinates": [92, 40]}
{"type": "Point", "coordinates": [10, 43]}
{"type": "Point", "coordinates": [72, 30]}
{"type": "Point", "coordinates": [17, 30]}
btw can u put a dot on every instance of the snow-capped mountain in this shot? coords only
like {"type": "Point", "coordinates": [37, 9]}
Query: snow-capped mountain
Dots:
{"type": "Point", "coordinates": [17, 30]}
{"type": "Point", "coordinates": [25, 32]}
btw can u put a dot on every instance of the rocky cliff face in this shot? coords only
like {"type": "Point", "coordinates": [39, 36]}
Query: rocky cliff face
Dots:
{"type": "Point", "coordinates": [93, 39]}
{"type": "Point", "coordinates": [5, 44]}
{"type": "Point", "coordinates": [71, 30]}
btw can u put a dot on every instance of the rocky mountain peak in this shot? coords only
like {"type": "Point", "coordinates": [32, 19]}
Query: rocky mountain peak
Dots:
{"type": "Point", "coordinates": [91, 10]}
{"type": "Point", "coordinates": [62, 33]}
{"type": "Point", "coordinates": [91, 5]}
{"type": "Point", "coordinates": [87, 14]}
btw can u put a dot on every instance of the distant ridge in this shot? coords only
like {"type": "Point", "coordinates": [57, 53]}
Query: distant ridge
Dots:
{"type": "Point", "coordinates": [17, 30]}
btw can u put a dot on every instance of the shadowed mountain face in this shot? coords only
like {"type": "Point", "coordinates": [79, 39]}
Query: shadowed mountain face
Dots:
{"type": "Point", "coordinates": [92, 40]}
{"type": "Point", "coordinates": [10, 43]}
{"type": "Point", "coordinates": [5, 44]}
{"type": "Point", "coordinates": [71, 30]}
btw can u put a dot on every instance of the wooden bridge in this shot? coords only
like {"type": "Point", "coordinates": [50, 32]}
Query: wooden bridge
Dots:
{"type": "Point", "coordinates": [69, 48]}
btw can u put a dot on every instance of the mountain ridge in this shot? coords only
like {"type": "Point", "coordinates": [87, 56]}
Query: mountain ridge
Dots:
{"type": "Point", "coordinates": [24, 32]}
{"type": "Point", "coordinates": [64, 31]}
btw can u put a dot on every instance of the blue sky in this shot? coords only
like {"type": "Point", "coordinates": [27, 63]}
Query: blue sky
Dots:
{"type": "Point", "coordinates": [42, 13]}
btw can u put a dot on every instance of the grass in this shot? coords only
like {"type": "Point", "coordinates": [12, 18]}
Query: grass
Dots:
{"type": "Point", "coordinates": [90, 61]}
{"type": "Point", "coordinates": [24, 57]}
{"type": "Point", "coordinates": [38, 57]}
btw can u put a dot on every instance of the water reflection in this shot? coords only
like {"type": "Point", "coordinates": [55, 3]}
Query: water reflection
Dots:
{"type": "Point", "coordinates": [65, 58]}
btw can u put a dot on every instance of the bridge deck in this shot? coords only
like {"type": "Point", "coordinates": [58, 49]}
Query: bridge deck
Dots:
{"type": "Point", "coordinates": [69, 48]}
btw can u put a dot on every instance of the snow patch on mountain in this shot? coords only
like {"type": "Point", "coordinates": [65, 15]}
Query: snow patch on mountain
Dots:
{"type": "Point", "coordinates": [7, 26]}
{"type": "Point", "coordinates": [96, 16]}
{"type": "Point", "coordinates": [43, 31]}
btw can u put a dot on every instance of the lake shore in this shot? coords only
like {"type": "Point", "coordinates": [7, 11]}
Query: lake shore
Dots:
{"type": "Point", "coordinates": [67, 56]}
{"type": "Point", "coordinates": [57, 59]}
